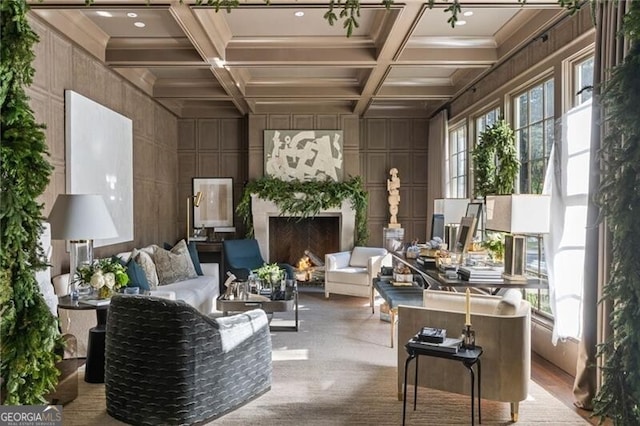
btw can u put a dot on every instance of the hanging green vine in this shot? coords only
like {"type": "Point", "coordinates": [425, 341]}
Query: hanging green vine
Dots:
{"type": "Point", "coordinates": [349, 10]}
{"type": "Point", "coordinates": [495, 161]}
{"type": "Point", "coordinates": [306, 199]}
{"type": "Point", "coordinates": [619, 198]}
{"type": "Point", "coordinates": [28, 330]}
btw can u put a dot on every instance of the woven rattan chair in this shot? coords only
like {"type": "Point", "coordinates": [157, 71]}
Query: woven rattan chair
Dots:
{"type": "Point", "coordinates": [166, 363]}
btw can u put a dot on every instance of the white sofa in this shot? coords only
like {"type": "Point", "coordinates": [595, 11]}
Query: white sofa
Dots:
{"type": "Point", "coordinates": [200, 292]}
{"type": "Point", "coordinates": [503, 329]}
{"type": "Point", "coordinates": [352, 272]}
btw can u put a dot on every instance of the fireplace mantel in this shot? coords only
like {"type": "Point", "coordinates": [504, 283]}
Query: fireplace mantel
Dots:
{"type": "Point", "coordinates": [262, 210]}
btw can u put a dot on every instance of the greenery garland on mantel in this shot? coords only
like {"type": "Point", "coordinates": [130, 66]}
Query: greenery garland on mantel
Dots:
{"type": "Point", "coordinates": [619, 198]}
{"type": "Point", "coordinates": [307, 199]}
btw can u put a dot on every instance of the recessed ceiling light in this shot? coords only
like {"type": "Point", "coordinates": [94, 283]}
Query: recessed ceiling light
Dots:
{"type": "Point", "coordinates": [140, 24]}
{"type": "Point", "coordinates": [132, 15]}
{"type": "Point", "coordinates": [468, 13]}
{"type": "Point", "coordinates": [461, 23]}
{"type": "Point", "coordinates": [104, 14]}
{"type": "Point", "coordinates": [219, 62]}
{"type": "Point", "coordinates": [299, 13]}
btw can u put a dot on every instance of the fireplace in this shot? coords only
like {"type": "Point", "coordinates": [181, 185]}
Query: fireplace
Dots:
{"type": "Point", "coordinates": [291, 237]}
{"type": "Point", "coordinates": [263, 210]}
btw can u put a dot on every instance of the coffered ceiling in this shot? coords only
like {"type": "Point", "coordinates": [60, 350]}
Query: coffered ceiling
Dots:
{"type": "Point", "coordinates": [405, 61]}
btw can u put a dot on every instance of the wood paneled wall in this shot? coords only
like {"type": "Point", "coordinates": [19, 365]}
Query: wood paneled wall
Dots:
{"type": "Point", "coordinates": [399, 143]}
{"type": "Point", "coordinates": [210, 147]}
{"type": "Point", "coordinates": [222, 148]}
{"type": "Point", "coordinates": [61, 65]}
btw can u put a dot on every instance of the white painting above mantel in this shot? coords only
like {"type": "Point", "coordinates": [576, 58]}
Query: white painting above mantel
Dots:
{"type": "Point", "coordinates": [304, 155]}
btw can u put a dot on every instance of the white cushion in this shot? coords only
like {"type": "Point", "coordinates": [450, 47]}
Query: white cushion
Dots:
{"type": "Point", "coordinates": [360, 255]}
{"type": "Point", "coordinates": [349, 275]}
{"type": "Point", "coordinates": [509, 303]}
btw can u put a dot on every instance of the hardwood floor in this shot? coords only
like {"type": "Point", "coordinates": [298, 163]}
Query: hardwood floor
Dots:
{"type": "Point", "coordinates": [558, 383]}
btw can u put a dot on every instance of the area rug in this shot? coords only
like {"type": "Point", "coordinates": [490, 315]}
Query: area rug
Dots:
{"type": "Point", "coordinates": [339, 370]}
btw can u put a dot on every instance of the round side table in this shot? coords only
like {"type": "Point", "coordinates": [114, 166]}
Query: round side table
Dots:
{"type": "Point", "coordinates": [94, 370]}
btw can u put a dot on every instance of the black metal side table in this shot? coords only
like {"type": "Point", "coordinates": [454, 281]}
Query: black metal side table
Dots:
{"type": "Point", "coordinates": [94, 369]}
{"type": "Point", "coordinates": [468, 357]}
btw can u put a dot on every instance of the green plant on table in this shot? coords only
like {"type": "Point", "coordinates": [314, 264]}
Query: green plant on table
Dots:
{"type": "Point", "coordinates": [270, 273]}
{"type": "Point", "coordinates": [495, 244]}
{"type": "Point", "coordinates": [105, 276]}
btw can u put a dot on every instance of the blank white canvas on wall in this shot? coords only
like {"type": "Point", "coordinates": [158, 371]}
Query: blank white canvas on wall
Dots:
{"type": "Point", "coordinates": [99, 150]}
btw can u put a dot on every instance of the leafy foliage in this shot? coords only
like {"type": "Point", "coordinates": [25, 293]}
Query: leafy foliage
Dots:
{"type": "Point", "coordinates": [619, 198]}
{"type": "Point", "coordinates": [495, 160]}
{"type": "Point", "coordinates": [349, 10]}
{"type": "Point", "coordinates": [29, 331]}
{"type": "Point", "coordinates": [306, 199]}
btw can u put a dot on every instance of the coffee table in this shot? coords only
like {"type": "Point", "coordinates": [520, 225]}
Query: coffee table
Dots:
{"type": "Point", "coordinates": [269, 306]}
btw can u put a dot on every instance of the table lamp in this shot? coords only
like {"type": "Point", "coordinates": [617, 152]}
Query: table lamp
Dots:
{"type": "Point", "coordinates": [81, 218]}
{"type": "Point", "coordinates": [518, 215]}
{"type": "Point", "coordinates": [453, 210]}
{"type": "Point", "coordinates": [197, 199]}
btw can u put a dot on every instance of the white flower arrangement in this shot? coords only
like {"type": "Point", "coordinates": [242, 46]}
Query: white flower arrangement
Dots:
{"type": "Point", "coordinates": [105, 276]}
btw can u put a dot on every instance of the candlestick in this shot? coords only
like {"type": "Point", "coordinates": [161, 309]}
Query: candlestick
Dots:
{"type": "Point", "coordinates": [468, 308]}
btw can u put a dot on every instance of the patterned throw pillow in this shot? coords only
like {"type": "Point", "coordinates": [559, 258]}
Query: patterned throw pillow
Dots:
{"type": "Point", "coordinates": [145, 261]}
{"type": "Point", "coordinates": [175, 265]}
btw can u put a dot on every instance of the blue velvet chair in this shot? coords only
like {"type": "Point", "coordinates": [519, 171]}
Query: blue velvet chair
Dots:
{"type": "Point", "coordinates": [243, 256]}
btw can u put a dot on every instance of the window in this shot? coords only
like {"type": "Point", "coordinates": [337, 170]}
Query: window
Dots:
{"type": "Point", "coordinates": [533, 125]}
{"type": "Point", "coordinates": [534, 129]}
{"type": "Point", "coordinates": [583, 81]}
{"type": "Point", "coordinates": [486, 120]}
{"type": "Point", "coordinates": [457, 163]}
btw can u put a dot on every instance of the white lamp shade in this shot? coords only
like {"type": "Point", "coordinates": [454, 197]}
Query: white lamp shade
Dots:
{"type": "Point", "coordinates": [518, 213]}
{"type": "Point", "coordinates": [453, 209]}
{"type": "Point", "coordinates": [81, 217]}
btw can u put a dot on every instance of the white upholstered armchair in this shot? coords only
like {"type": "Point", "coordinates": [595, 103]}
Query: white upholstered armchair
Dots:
{"type": "Point", "coordinates": [352, 272]}
{"type": "Point", "coordinates": [503, 329]}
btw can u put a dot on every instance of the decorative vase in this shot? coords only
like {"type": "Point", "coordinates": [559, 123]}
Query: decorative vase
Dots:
{"type": "Point", "coordinates": [104, 292]}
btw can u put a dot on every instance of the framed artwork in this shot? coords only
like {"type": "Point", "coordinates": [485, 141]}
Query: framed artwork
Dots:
{"type": "Point", "coordinates": [475, 210]}
{"type": "Point", "coordinates": [99, 151]}
{"type": "Point", "coordinates": [465, 234]}
{"type": "Point", "coordinates": [304, 155]}
{"type": "Point", "coordinates": [216, 206]}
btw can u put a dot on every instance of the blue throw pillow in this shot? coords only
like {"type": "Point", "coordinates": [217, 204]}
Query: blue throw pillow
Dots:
{"type": "Point", "coordinates": [137, 278]}
{"type": "Point", "coordinates": [193, 253]}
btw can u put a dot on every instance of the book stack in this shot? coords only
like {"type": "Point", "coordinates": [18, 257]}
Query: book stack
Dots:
{"type": "Point", "coordinates": [480, 273]}
{"type": "Point", "coordinates": [435, 339]}
{"type": "Point", "coordinates": [449, 345]}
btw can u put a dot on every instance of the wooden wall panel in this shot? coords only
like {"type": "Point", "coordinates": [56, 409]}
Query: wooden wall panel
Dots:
{"type": "Point", "coordinates": [61, 65]}
{"type": "Point", "coordinates": [399, 143]}
{"type": "Point", "coordinates": [208, 135]}
{"type": "Point", "coordinates": [187, 134]}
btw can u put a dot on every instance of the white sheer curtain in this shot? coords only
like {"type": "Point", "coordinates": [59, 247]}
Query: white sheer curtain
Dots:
{"type": "Point", "coordinates": [567, 181]}
{"type": "Point", "coordinates": [438, 133]}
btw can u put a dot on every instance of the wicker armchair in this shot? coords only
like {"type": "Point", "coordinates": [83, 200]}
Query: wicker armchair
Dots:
{"type": "Point", "coordinates": [166, 363]}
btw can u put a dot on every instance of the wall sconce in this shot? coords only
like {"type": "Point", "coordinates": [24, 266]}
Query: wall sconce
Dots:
{"type": "Point", "coordinates": [196, 203]}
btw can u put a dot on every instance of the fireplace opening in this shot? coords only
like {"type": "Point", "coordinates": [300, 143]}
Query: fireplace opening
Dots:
{"type": "Point", "coordinates": [289, 238]}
